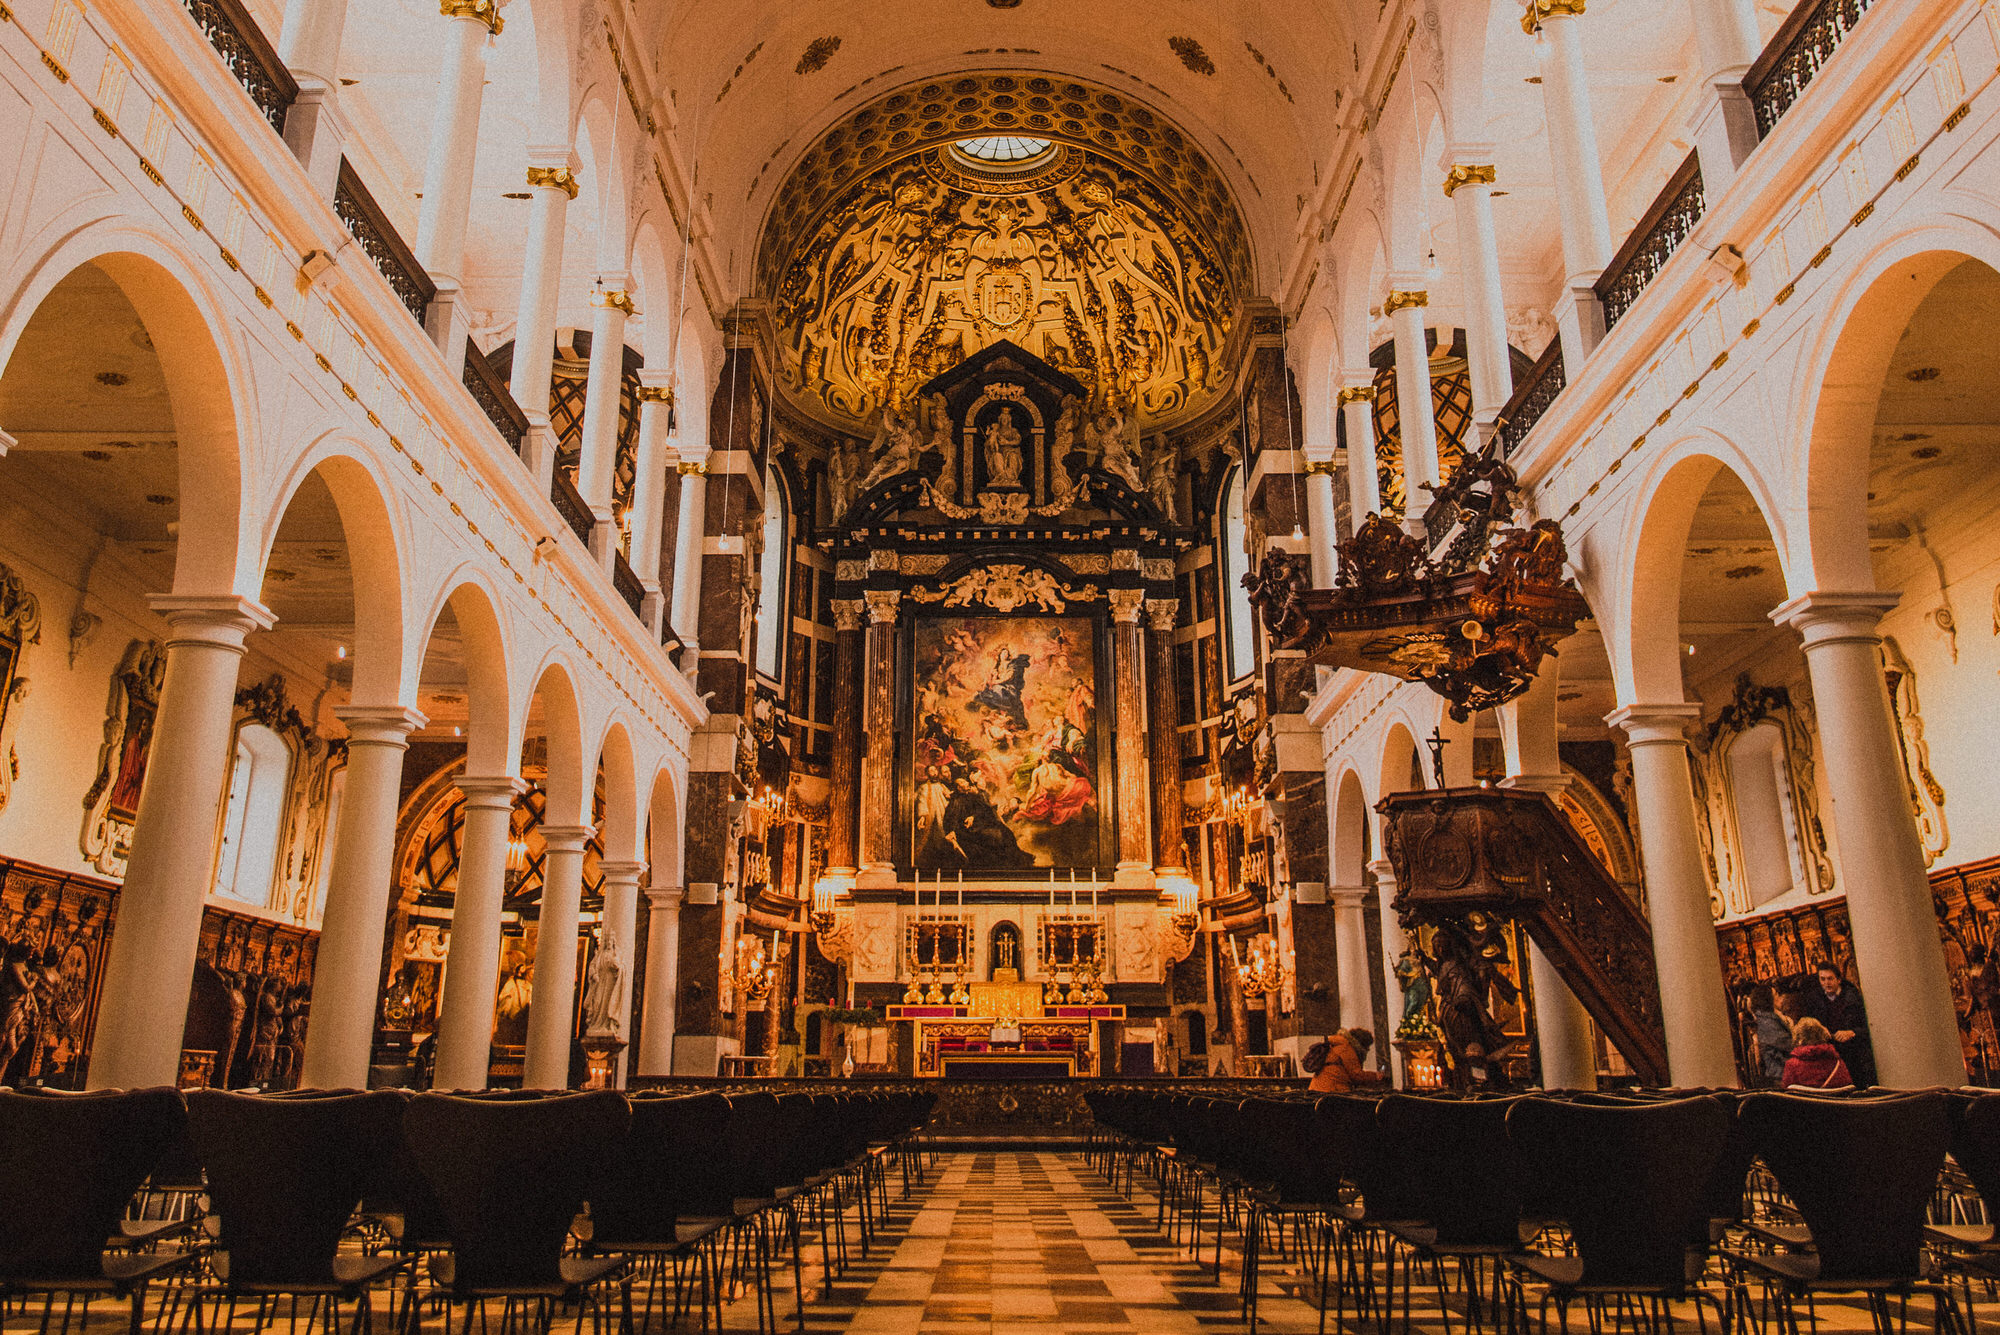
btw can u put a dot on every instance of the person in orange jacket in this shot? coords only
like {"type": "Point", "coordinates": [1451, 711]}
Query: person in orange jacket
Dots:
{"type": "Point", "coordinates": [1346, 1049]}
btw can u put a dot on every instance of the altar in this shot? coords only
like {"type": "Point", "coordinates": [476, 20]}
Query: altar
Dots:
{"type": "Point", "coordinates": [1006, 1031]}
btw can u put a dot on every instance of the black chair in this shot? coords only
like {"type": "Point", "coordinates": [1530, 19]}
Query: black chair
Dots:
{"type": "Point", "coordinates": [1970, 1251]}
{"type": "Point", "coordinates": [1861, 1172]}
{"type": "Point", "coordinates": [1465, 1189]}
{"type": "Point", "coordinates": [68, 1167]}
{"type": "Point", "coordinates": [1379, 1173]}
{"type": "Point", "coordinates": [643, 1207]}
{"type": "Point", "coordinates": [1633, 1184]}
{"type": "Point", "coordinates": [510, 1177]}
{"type": "Point", "coordinates": [284, 1178]}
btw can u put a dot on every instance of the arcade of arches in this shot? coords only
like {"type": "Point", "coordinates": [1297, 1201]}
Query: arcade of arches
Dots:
{"type": "Point", "coordinates": [545, 544]}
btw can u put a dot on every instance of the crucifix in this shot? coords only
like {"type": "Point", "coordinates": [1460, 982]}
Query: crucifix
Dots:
{"type": "Point", "coordinates": [1437, 742]}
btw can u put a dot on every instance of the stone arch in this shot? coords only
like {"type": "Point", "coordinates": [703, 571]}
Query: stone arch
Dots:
{"type": "Point", "coordinates": [570, 787]}
{"type": "Point", "coordinates": [599, 143]}
{"type": "Point", "coordinates": [207, 387]}
{"type": "Point", "coordinates": [477, 608]}
{"type": "Point", "coordinates": [1350, 845]}
{"type": "Point", "coordinates": [622, 834]}
{"type": "Point", "coordinates": [372, 523]}
{"type": "Point", "coordinates": [1645, 648]}
{"type": "Point", "coordinates": [666, 828]}
{"type": "Point", "coordinates": [1318, 377]}
{"type": "Point", "coordinates": [1839, 389]}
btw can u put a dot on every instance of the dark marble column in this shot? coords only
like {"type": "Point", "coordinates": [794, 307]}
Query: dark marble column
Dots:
{"type": "Point", "coordinates": [844, 787]}
{"type": "Point", "coordinates": [878, 773]}
{"type": "Point", "coordinates": [1134, 850]}
{"type": "Point", "coordinates": [1163, 736]}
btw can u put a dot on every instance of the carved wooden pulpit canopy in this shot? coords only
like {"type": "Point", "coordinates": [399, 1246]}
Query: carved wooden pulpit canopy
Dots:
{"type": "Point", "coordinates": [1466, 857]}
{"type": "Point", "coordinates": [1469, 616]}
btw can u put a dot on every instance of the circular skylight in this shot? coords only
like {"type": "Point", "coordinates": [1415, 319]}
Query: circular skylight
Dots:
{"type": "Point", "coordinates": [1002, 150]}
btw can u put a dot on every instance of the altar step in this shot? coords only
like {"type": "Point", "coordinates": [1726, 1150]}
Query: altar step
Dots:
{"type": "Point", "coordinates": [977, 1139]}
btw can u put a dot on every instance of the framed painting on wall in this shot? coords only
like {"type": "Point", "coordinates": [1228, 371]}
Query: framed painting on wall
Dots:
{"type": "Point", "coordinates": [1006, 761]}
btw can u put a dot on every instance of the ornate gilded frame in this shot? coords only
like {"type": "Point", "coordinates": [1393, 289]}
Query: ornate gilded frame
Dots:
{"type": "Point", "coordinates": [111, 806]}
{"type": "Point", "coordinates": [1790, 710]}
{"type": "Point", "coordinates": [20, 628]}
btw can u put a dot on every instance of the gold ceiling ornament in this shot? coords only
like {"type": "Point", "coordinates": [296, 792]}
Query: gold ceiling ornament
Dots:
{"type": "Point", "coordinates": [1007, 588]}
{"type": "Point", "coordinates": [554, 178]}
{"type": "Point", "coordinates": [486, 11]}
{"type": "Point", "coordinates": [1543, 9]}
{"type": "Point", "coordinates": [1397, 301]}
{"type": "Point", "coordinates": [1082, 263]}
{"type": "Point", "coordinates": [1357, 394]}
{"type": "Point", "coordinates": [613, 299]}
{"type": "Point", "coordinates": [1463, 174]}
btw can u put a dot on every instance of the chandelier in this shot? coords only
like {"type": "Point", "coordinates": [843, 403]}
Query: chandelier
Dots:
{"type": "Point", "coordinates": [1261, 972]}
{"type": "Point", "coordinates": [755, 973]}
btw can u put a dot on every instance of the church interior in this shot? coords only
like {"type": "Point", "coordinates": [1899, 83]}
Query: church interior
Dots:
{"type": "Point", "coordinates": [1023, 660]}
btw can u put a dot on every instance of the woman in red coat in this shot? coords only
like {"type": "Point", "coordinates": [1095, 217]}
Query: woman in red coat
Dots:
{"type": "Point", "coordinates": [1814, 1063]}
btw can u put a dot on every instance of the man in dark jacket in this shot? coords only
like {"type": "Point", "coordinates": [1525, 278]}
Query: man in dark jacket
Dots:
{"type": "Point", "coordinates": [1836, 1003]}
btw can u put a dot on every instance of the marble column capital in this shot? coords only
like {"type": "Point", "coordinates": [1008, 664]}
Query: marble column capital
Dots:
{"type": "Point", "coordinates": [220, 620]}
{"type": "Point", "coordinates": [1537, 783]}
{"type": "Point", "coordinates": [484, 12]}
{"type": "Point", "coordinates": [566, 838]}
{"type": "Point", "coordinates": [380, 725]}
{"type": "Point", "coordinates": [554, 178]}
{"type": "Point", "coordinates": [490, 791]}
{"type": "Point", "coordinates": [1347, 896]}
{"type": "Point", "coordinates": [1125, 605]}
{"type": "Point", "coordinates": [1654, 724]}
{"type": "Point", "coordinates": [848, 613]}
{"type": "Point", "coordinates": [1464, 174]}
{"type": "Point", "coordinates": [1385, 872]}
{"type": "Point", "coordinates": [1541, 11]}
{"type": "Point", "coordinates": [1823, 618]}
{"type": "Point", "coordinates": [666, 898]}
{"type": "Point", "coordinates": [1161, 613]}
{"type": "Point", "coordinates": [622, 873]}
{"type": "Point", "coordinates": [882, 605]}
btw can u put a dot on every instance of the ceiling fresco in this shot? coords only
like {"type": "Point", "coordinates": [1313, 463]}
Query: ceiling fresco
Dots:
{"type": "Point", "coordinates": [1109, 248]}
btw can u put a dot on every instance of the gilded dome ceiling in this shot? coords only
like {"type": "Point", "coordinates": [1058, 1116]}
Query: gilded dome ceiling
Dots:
{"type": "Point", "coordinates": [1062, 217]}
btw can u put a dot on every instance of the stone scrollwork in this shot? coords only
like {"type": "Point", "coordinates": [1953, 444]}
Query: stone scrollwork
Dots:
{"type": "Point", "coordinates": [112, 804]}
{"type": "Point", "coordinates": [20, 628]}
{"type": "Point", "coordinates": [1007, 588]}
{"type": "Point", "coordinates": [1791, 714]}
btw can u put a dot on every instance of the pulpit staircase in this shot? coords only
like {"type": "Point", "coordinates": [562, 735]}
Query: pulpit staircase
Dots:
{"type": "Point", "coordinates": [1512, 855]}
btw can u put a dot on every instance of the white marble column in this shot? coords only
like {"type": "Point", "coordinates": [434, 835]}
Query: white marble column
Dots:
{"type": "Point", "coordinates": [1364, 483]}
{"type": "Point", "coordinates": [1693, 1008]}
{"type": "Point", "coordinates": [1579, 173]}
{"type": "Point", "coordinates": [598, 466]}
{"type": "Point", "coordinates": [472, 964]}
{"type": "Point", "coordinates": [151, 963]}
{"type": "Point", "coordinates": [1898, 954]}
{"type": "Point", "coordinates": [1416, 420]}
{"type": "Point", "coordinates": [1724, 123]}
{"type": "Point", "coordinates": [1528, 740]}
{"type": "Point", "coordinates": [552, 1016]}
{"type": "Point", "coordinates": [309, 46]}
{"type": "Point", "coordinates": [347, 974]}
{"type": "Point", "coordinates": [663, 968]}
{"type": "Point", "coordinates": [447, 201]}
{"type": "Point", "coordinates": [618, 929]}
{"type": "Point", "coordinates": [1323, 518]}
{"type": "Point", "coordinates": [1350, 959]}
{"type": "Point", "coordinates": [1469, 186]}
{"type": "Point", "coordinates": [1394, 944]}
{"type": "Point", "coordinates": [649, 491]}
{"type": "Point", "coordinates": [552, 180]}
{"type": "Point", "coordinates": [690, 534]}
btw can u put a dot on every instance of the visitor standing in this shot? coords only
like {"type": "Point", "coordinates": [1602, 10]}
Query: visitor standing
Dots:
{"type": "Point", "coordinates": [1837, 1004]}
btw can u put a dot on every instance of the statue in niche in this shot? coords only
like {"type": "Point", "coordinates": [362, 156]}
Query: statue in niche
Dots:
{"type": "Point", "coordinates": [600, 995]}
{"type": "Point", "coordinates": [1114, 441]}
{"type": "Point", "coordinates": [1003, 451]}
{"type": "Point", "coordinates": [1162, 467]}
{"type": "Point", "coordinates": [1064, 444]}
{"type": "Point", "coordinates": [895, 448]}
{"type": "Point", "coordinates": [843, 478]}
{"type": "Point", "coordinates": [944, 443]}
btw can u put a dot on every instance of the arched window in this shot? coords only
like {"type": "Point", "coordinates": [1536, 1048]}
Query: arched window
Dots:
{"type": "Point", "coordinates": [247, 862]}
{"type": "Point", "coordinates": [1231, 561]}
{"type": "Point", "coordinates": [771, 617]}
{"type": "Point", "coordinates": [1766, 822]}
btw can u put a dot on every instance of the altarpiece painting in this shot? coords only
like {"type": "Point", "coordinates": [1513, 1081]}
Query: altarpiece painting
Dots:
{"type": "Point", "coordinates": [1005, 764]}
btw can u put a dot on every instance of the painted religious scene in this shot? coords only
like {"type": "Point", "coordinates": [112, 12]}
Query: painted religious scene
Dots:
{"type": "Point", "coordinates": [1004, 765]}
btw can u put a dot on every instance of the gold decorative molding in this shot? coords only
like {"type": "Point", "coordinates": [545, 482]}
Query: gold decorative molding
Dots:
{"type": "Point", "coordinates": [554, 178]}
{"type": "Point", "coordinates": [1006, 588]}
{"type": "Point", "coordinates": [1162, 613]}
{"type": "Point", "coordinates": [655, 393]}
{"type": "Point", "coordinates": [1397, 301]}
{"type": "Point", "coordinates": [614, 299]}
{"type": "Point", "coordinates": [1319, 467]}
{"type": "Point", "coordinates": [1356, 394]}
{"type": "Point", "coordinates": [1125, 605]}
{"type": "Point", "coordinates": [882, 605]}
{"type": "Point", "coordinates": [1464, 174]}
{"type": "Point", "coordinates": [848, 613]}
{"type": "Point", "coordinates": [693, 467]}
{"type": "Point", "coordinates": [486, 11]}
{"type": "Point", "coordinates": [1543, 9]}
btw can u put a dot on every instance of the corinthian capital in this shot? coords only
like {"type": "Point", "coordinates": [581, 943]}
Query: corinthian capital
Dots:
{"type": "Point", "coordinates": [554, 178]}
{"type": "Point", "coordinates": [882, 605]}
{"type": "Point", "coordinates": [1161, 612]}
{"type": "Point", "coordinates": [485, 11]}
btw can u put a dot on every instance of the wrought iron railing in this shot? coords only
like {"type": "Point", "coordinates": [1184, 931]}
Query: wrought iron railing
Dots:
{"type": "Point", "coordinates": [569, 504]}
{"type": "Point", "coordinates": [376, 235]}
{"type": "Point", "coordinates": [490, 392]}
{"type": "Point", "coordinates": [240, 42]}
{"type": "Point", "coordinates": [1532, 398]}
{"type": "Point", "coordinates": [1797, 53]}
{"type": "Point", "coordinates": [628, 585]}
{"type": "Point", "coordinates": [1653, 242]}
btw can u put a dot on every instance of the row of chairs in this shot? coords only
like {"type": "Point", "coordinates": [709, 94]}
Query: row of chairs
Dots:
{"type": "Point", "coordinates": [1624, 1204]}
{"type": "Point", "coordinates": [538, 1201]}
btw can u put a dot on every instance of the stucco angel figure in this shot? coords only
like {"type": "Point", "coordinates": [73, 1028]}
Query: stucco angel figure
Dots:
{"type": "Point", "coordinates": [843, 478]}
{"type": "Point", "coordinates": [601, 995]}
{"type": "Point", "coordinates": [1162, 468]}
{"type": "Point", "coordinates": [1003, 451]}
{"type": "Point", "coordinates": [1116, 446]}
{"type": "Point", "coordinates": [1064, 443]}
{"type": "Point", "coordinates": [943, 442]}
{"type": "Point", "coordinates": [895, 447]}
